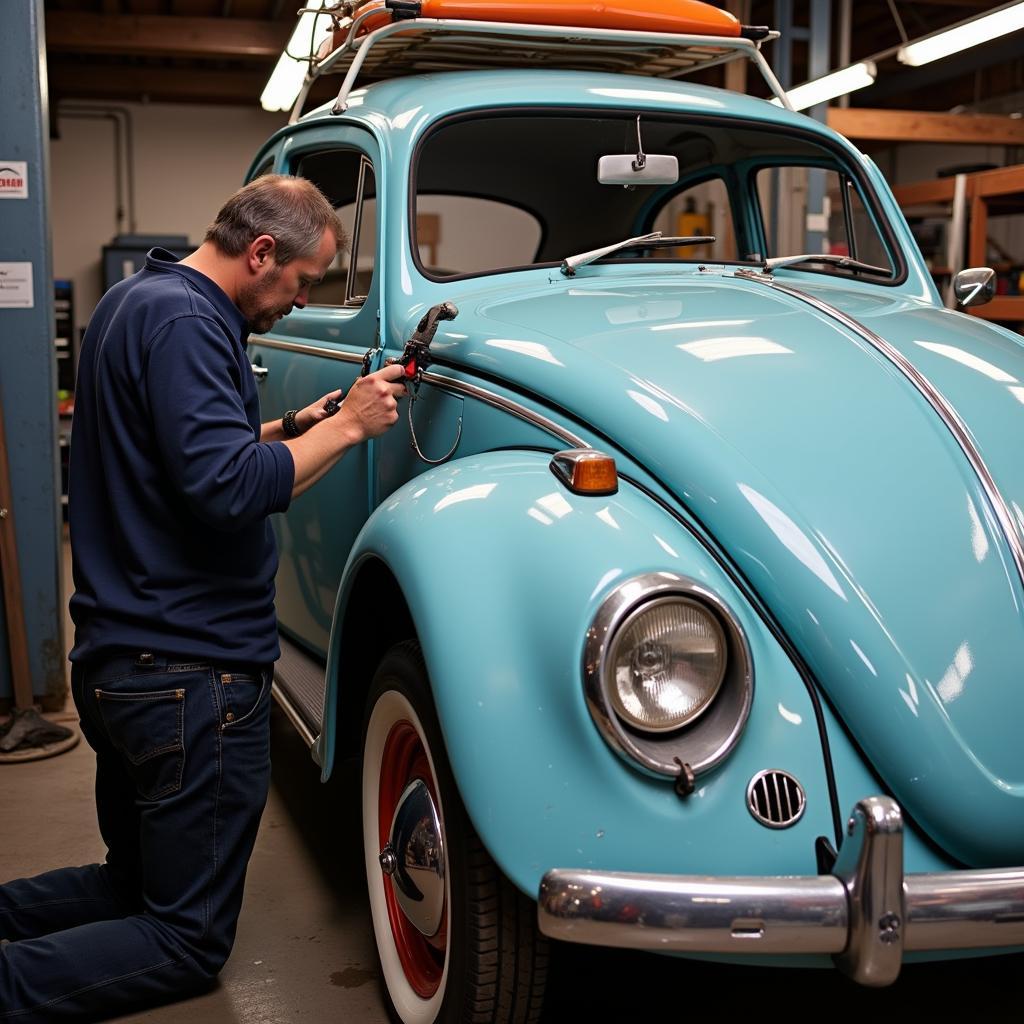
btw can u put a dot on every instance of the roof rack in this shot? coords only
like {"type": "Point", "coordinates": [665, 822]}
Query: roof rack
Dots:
{"type": "Point", "coordinates": [420, 45]}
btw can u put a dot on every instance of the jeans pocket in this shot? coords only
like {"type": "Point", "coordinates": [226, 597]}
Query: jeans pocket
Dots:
{"type": "Point", "coordinates": [240, 695]}
{"type": "Point", "coordinates": [147, 728]}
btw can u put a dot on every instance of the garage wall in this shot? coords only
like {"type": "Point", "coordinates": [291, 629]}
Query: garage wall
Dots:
{"type": "Point", "coordinates": [187, 159]}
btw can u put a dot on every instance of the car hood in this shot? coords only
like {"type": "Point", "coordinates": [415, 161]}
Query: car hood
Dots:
{"type": "Point", "coordinates": [833, 484]}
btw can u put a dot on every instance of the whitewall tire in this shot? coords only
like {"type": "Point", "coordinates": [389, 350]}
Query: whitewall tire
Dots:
{"type": "Point", "coordinates": [486, 961]}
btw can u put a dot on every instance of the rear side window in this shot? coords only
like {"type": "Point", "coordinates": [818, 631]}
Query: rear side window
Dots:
{"type": "Point", "coordinates": [459, 234]}
{"type": "Point", "coordinates": [346, 177]}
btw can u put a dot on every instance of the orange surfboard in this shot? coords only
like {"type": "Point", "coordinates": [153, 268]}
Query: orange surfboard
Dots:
{"type": "Point", "coordinates": [683, 17]}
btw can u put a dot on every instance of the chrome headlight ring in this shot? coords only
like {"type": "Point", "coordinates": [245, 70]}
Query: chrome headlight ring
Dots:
{"type": "Point", "coordinates": [709, 736]}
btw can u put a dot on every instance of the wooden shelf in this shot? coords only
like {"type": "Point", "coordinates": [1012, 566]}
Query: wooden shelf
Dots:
{"type": "Point", "coordinates": [1002, 307]}
{"type": "Point", "coordinates": [985, 192]}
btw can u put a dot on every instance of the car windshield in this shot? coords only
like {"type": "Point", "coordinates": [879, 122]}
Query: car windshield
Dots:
{"type": "Point", "coordinates": [512, 190]}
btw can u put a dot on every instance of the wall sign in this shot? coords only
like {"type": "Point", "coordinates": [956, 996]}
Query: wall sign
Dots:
{"type": "Point", "coordinates": [16, 286]}
{"type": "Point", "coordinates": [13, 179]}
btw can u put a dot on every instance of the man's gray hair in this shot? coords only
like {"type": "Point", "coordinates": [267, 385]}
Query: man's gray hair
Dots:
{"type": "Point", "coordinates": [293, 211]}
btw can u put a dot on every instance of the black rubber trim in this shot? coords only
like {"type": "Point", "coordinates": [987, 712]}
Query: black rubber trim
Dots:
{"type": "Point", "coordinates": [707, 540]}
{"type": "Point", "coordinates": [403, 10]}
{"type": "Point", "coordinates": [825, 854]}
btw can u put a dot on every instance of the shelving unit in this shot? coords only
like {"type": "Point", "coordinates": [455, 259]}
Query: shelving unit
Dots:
{"type": "Point", "coordinates": [971, 199]}
{"type": "Point", "coordinates": [64, 334]}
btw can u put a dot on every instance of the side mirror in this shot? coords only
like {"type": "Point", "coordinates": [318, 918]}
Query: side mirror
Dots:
{"type": "Point", "coordinates": [643, 169]}
{"type": "Point", "coordinates": [974, 287]}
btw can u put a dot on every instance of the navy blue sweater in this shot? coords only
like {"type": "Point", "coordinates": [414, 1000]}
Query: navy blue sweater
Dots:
{"type": "Point", "coordinates": [170, 486]}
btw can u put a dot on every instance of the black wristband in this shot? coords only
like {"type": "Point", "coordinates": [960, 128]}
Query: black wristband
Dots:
{"type": "Point", "coordinates": [288, 424]}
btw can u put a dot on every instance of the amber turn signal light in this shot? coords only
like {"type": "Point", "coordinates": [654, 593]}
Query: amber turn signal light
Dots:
{"type": "Point", "coordinates": [586, 471]}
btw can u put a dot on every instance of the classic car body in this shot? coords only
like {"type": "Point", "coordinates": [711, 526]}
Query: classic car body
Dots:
{"type": "Point", "coordinates": [824, 459]}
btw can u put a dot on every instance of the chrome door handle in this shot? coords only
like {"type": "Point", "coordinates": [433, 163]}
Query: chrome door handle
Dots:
{"type": "Point", "coordinates": [260, 372]}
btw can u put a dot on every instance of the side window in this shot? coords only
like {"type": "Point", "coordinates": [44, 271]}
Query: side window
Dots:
{"type": "Point", "coordinates": [346, 177]}
{"type": "Point", "coordinates": [700, 210]}
{"type": "Point", "coordinates": [844, 228]}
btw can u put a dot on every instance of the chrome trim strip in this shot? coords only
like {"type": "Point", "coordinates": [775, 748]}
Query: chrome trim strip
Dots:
{"type": "Point", "coordinates": [450, 384]}
{"type": "Point", "coordinates": [313, 350]}
{"type": "Point", "coordinates": [459, 387]}
{"type": "Point", "coordinates": [949, 416]}
{"type": "Point", "coordinates": [700, 745]}
{"type": "Point", "coordinates": [864, 916]}
{"type": "Point", "coordinates": [293, 715]}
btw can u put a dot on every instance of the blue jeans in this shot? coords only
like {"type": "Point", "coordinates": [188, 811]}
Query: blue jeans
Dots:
{"type": "Point", "coordinates": [182, 773]}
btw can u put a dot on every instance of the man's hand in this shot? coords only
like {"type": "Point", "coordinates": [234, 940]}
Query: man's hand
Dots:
{"type": "Point", "coordinates": [314, 413]}
{"type": "Point", "coordinates": [371, 406]}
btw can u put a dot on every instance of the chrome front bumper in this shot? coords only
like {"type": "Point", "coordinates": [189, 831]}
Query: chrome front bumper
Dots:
{"type": "Point", "coordinates": [865, 914]}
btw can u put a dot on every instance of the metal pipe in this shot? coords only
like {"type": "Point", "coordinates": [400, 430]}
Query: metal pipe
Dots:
{"type": "Point", "coordinates": [119, 204]}
{"type": "Point", "coordinates": [123, 117]}
{"type": "Point", "coordinates": [845, 41]}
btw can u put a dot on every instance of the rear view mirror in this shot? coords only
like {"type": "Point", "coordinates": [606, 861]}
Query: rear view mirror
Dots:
{"type": "Point", "coordinates": [642, 169]}
{"type": "Point", "coordinates": [623, 169]}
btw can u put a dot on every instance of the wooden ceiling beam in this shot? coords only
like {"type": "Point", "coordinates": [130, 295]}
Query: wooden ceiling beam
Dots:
{"type": "Point", "coordinates": [154, 35]}
{"type": "Point", "coordinates": [167, 85]}
{"type": "Point", "coordinates": [952, 3]}
{"type": "Point", "coordinates": [918, 126]}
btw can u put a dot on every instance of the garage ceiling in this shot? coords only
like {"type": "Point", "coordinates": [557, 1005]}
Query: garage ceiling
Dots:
{"type": "Point", "coordinates": [222, 51]}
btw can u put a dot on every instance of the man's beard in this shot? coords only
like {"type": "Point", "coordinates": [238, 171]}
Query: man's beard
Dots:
{"type": "Point", "coordinates": [261, 317]}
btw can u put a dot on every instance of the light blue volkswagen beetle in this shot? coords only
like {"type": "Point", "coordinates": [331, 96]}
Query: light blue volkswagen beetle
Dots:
{"type": "Point", "coordinates": [685, 611]}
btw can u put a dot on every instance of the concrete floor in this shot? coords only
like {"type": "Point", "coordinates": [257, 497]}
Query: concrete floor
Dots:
{"type": "Point", "coordinates": [305, 952]}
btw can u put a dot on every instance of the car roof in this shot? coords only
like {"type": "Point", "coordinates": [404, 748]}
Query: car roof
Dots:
{"type": "Point", "coordinates": [425, 98]}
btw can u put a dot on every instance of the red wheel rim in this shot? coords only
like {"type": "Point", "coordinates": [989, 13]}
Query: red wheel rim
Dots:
{"type": "Point", "coordinates": [403, 760]}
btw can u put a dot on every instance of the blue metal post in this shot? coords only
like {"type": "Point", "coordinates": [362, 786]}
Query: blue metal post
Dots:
{"type": "Point", "coordinates": [820, 63]}
{"type": "Point", "coordinates": [28, 374]}
{"type": "Point", "coordinates": [782, 65]}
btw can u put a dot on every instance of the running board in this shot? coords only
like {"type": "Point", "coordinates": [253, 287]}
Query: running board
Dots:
{"type": "Point", "coordinates": [299, 689]}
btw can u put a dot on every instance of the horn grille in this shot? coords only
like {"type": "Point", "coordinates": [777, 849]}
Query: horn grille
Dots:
{"type": "Point", "coordinates": [776, 799]}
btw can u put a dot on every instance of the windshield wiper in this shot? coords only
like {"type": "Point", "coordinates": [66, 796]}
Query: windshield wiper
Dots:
{"type": "Point", "coordinates": [843, 262]}
{"type": "Point", "coordinates": [655, 240]}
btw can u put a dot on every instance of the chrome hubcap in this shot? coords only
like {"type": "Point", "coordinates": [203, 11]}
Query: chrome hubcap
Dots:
{"type": "Point", "coordinates": [414, 859]}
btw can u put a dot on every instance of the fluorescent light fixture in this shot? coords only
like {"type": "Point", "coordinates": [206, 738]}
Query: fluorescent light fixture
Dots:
{"type": "Point", "coordinates": [283, 87]}
{"type": "Point", "coordinates": [961, 37]}
{"type": "Point", "coordinates": [839, 83]}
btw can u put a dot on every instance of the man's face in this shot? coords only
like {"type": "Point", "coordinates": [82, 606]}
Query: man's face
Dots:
{"type": "Point", "coordinates": [280, 287]}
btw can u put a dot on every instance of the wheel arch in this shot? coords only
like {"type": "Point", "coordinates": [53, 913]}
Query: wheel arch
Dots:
{"type": "Point", "coordinates": [497, 571]}
{"type": "Point", "coordinates": [375, 618]}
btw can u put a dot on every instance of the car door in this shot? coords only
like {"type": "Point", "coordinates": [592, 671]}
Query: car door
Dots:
{"type": "Point", "coordinates": [313, 351]}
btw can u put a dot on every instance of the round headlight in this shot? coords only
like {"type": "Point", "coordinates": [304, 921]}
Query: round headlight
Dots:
{"type": "Point", "coordinates": [667, 662]}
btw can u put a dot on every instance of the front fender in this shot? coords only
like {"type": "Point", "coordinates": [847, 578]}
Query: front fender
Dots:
{"type": "Point", "coordinates": [503, 570]}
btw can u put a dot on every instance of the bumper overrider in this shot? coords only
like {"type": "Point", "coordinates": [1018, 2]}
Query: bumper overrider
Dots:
{"type": "Point", "coordinates": [865, 914]}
